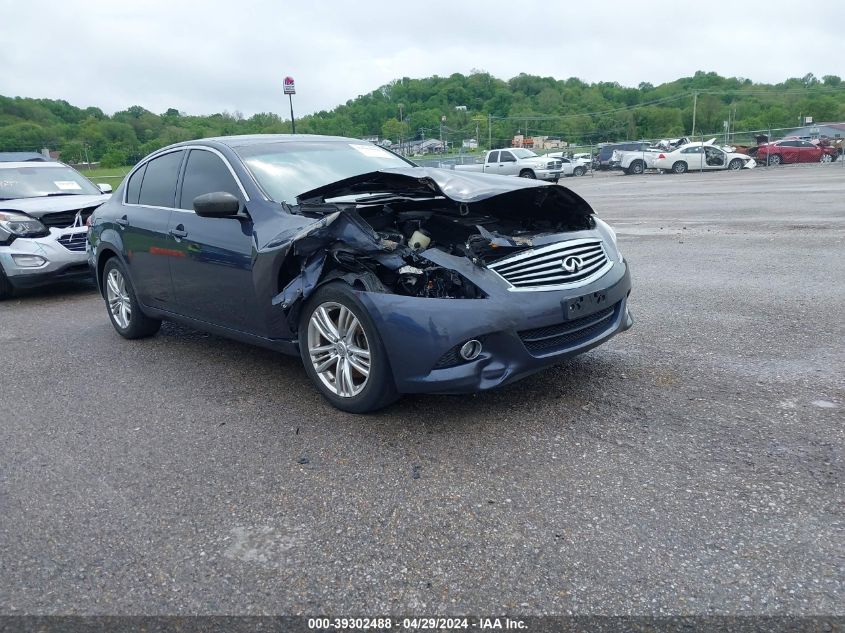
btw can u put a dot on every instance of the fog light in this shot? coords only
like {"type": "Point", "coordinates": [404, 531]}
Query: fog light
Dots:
{"type": "Point", "coordinates": [29, 261]}
{"type": "Point", "coordinates": [470, 350]}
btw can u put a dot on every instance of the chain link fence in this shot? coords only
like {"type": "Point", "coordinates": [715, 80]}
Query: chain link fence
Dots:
{"type": "Point", "coordinates": [770, 148]}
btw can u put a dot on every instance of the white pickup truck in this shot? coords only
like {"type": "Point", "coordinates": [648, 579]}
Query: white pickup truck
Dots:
{"type": "Point", "coordinates": [517, 161]}
{"type": "Point", "coordinates": [634, 162]}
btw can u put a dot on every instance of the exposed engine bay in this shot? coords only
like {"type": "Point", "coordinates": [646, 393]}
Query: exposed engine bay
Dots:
{"type": "Point", "coordinates": [376, 240]}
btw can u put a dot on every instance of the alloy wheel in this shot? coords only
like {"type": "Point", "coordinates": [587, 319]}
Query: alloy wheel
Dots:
{"type": "Point", "coordinates": [339, 349]}
{"type": "Point", "coordinates": [118, 299]}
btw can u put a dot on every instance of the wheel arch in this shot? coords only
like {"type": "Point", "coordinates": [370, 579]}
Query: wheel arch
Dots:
{"type": "Point", "coordinates": [105, 254]}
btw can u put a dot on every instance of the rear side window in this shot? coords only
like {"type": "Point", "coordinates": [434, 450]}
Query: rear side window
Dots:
{"type": "Point", "coordinates": [133, 187]}
{"type": "Point", "coordinates": [158, 188]}
{"type": "Point", "coordinates": [205, 173]}
{"type": "Point", "coordinates": [493, 157]}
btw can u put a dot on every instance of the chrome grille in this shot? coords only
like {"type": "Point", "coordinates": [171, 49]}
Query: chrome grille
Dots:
{"type": "Point", "coordinates": [561, 265]}
{"type": "Point", "coordinates": [64, 219]}
{"type": "Point", "coordinates": [74, 241]}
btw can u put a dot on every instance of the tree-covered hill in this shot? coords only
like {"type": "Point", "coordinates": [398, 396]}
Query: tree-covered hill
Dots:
{"type": "Point", "coordinates": [413, 108]}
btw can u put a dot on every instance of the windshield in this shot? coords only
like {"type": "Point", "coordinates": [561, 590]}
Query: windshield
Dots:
{"type": "Point", "coordinates": [285, 170]}
{"type": "Point", "coordinates": [523, 153]}
{"type": "Point", "coordinates": [37, 182]}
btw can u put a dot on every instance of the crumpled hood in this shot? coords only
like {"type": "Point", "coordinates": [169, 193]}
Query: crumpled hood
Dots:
{"type": "Point", "coordinates": [38, 207]}
{"type": "Point", "coordinates": [463, 187]}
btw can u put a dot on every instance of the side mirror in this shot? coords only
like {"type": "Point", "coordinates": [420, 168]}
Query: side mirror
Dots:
{"type": "Point", "coordinates": [104, 187]}
{"type": "Point", "coordinates": [218, 204]}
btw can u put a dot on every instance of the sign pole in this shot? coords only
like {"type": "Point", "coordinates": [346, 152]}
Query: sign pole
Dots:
{"type": "Point", "coordinates": [290, 90]}
{"type": "Point", "coordinates": [292, 120]}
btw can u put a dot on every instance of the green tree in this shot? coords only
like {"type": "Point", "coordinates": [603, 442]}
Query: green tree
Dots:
{"type": "Point", "coordinates": [392, 129]}
{"type": "Point", "coordinates": [72, 152]}
{"type": "Point", "coordinates": [114, 158]}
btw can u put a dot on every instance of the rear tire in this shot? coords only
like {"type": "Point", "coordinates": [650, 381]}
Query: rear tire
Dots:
{"type": "Point", "coordinates": [636, 168]}
{"type": "Point", "coordinates": [527, 173]}
{"type": "Point", "coordinates": [579, 171]}
{"type": "Point", "coordinates": [735, 164]}
{"type": "Point", "coordinates": [337, 334]}
{"type": "Point", "coordinates": [680, 167]}
{"type": "Point", "coordinates": [122, 304]}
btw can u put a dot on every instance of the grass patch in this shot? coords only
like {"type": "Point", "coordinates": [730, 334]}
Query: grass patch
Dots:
{"type": "Point", "coordinates": [111, 175]}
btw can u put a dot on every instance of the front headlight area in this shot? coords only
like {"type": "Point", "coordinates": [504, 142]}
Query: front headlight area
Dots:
{"type": "Point", "coordinates": [14, 225]}
{"type": "Point", "coordinates": [609, 238]}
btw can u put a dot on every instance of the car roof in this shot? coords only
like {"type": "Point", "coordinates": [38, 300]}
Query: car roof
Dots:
{"type": "Point", "coordinates": [259, 139]}
{"type": "Point", "coordinates": [31, 163]}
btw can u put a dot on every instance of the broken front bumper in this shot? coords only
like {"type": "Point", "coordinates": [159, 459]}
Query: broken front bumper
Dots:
{"type": "Point", "coordinates": [29, 262]}
{"type": "Point", "coordinates": [521, 333]}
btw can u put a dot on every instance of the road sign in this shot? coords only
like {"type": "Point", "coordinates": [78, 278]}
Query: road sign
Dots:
{"type": "Point", "coordinates": [290, 86]}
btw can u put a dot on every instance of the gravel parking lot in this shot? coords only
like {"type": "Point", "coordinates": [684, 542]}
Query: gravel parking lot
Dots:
{"type": "Point", "coordinates": [691, 465]}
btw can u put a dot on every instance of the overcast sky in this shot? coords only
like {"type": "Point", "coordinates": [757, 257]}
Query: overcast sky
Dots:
{"type": "Point", "coordinates": [214, 55]}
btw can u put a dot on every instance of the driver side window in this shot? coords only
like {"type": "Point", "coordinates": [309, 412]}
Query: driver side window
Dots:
{"type": "Point", "coordinates": [205, 172]}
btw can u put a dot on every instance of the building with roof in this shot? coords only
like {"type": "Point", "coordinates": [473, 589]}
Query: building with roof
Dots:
{"type": "Point", "coordinates": [819, 130]}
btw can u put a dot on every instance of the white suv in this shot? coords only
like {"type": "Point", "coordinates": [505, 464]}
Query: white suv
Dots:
{"type": "Point", "coordinates": [43, 236]}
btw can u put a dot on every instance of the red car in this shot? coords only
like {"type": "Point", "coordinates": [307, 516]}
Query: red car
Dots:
{"type": "Point", "coordinates": [793, 151]}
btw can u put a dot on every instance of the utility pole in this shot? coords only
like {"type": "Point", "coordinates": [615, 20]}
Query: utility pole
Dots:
{"type": "Point", "coordinates": [401, 127]}
{"type": "Point", "coordinates": [694, 108]}
{"type": "Point", "coordinates": [489, 131]}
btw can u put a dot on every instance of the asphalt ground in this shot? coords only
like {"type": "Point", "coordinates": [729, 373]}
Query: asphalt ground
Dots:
{"type": "Point", "coordinates": [691, 465]}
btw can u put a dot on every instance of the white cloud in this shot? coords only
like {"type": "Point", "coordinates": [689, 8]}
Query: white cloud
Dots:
{"type": "Point", "coordinates": [210, 56]}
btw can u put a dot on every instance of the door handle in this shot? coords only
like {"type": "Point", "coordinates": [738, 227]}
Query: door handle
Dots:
{"type": "Point", "coordinates": [123, 221]}
{"type": "Point", "coordinates": [179, 231]}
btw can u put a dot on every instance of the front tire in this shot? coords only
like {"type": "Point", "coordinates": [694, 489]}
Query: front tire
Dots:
{"type": "Point", "coordinates": [527, 173]}
{"type": "Point", "coordinates": [6, 289]}
{"type": "Point", "coordinates": [342, 351]}
{"type": "Point", "coordinates": [579, 171]}
{"type": "Point", "coordinates": [826, 158]}
{"type": "Point", "coordinates": [679, 168]}
{"type": "Point", "coordinates": [735, 164]}
{"type": "Point", "coordinates": [122, 304]}
{"type": "Point", "coordinates": [775, 159]}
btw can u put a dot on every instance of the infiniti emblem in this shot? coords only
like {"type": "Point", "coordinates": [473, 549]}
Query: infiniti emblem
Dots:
{"type": "Point", "coordinates": [572, 264]}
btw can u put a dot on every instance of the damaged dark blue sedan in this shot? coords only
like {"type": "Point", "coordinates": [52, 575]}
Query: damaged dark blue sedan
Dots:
{"type": "Point", "coordinates": [386, 278]}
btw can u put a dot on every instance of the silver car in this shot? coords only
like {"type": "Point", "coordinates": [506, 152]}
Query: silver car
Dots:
{"type": "Point", "coordinates": [43, 210]}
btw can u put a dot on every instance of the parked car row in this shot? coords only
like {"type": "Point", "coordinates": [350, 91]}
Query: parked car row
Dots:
{"type": "Point", "coordinates": [522, 162]}
{"type": "Point", "coordinates": [681, 155]}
